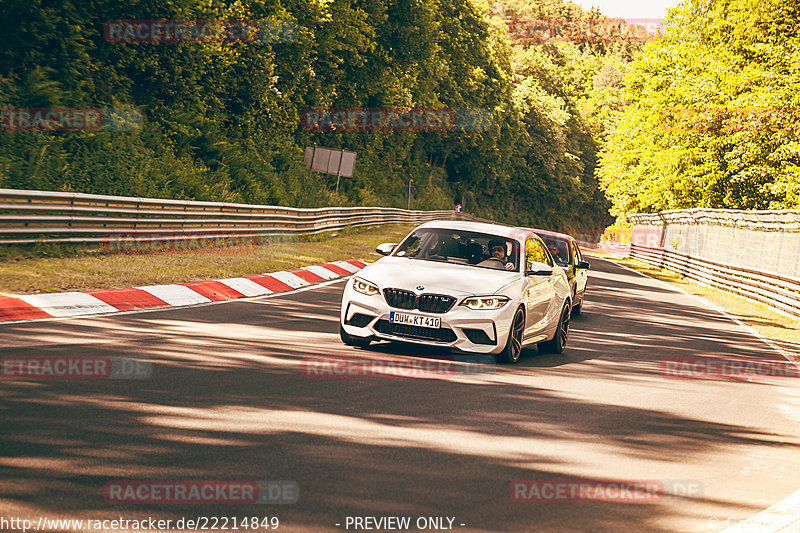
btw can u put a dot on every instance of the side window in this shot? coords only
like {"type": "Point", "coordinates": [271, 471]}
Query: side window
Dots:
{"type": "Point", "coordinates": [535, 251]}
{"type": "Point", "coordinates": [576, 253]}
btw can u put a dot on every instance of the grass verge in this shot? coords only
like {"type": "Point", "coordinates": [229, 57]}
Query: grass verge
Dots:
{"type": "Point", "coordinates": [780, 328]}
{"type": "Point", "coordinates": [29, 271]}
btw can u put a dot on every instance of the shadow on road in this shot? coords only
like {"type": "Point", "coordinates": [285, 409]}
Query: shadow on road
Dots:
{"type": "Point", "coordinates": [228, 399]}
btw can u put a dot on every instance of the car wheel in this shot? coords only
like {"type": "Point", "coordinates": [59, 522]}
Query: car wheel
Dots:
{"type": "Point", "coordinates": [559, 340]}
{"type": "Point", "coordinates": [350, 340]}
{"type": "Point", "coordinates": [513, 349]}
{"type": "Point", "coordinates": [577, 309]}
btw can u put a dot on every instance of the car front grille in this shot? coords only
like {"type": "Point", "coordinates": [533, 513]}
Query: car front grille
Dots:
{"type": "Point", "coordinates": [435, 303]}
{"type": "Point", "coordinates": [400, 299]}
{"type": "Point", "coordinates": [415, 332]}
{"type": "Point", "coordinates": [428, 303]}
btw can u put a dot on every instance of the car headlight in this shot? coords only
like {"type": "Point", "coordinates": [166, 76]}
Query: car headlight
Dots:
{"type": "Point", "coordinates": [365, 287]}
{"type": "Point", "coordinates": [481, 303]}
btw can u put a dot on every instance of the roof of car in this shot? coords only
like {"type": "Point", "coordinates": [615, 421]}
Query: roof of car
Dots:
{"type": "Point", "coordinates": [511, 232]}
{"type": "Point", "coordinates": [552, 234]}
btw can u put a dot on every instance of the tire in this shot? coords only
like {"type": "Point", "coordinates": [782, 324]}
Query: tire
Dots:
{"type": "Point", "coordinates": [577, 309]}
{"type": "Point", "coordinates": [513, 349]}
{"type": "Point", "coordinates": [350, 340]}
{"type": "Point", "coordinates": [559, 340]}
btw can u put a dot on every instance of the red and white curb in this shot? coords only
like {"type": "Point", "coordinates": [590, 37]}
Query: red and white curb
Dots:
{"type": "Point", "coordinates": [85, 303]}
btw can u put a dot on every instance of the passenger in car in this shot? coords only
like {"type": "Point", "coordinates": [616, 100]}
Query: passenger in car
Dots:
{"type": "Point", "coordinates": [475, 253]}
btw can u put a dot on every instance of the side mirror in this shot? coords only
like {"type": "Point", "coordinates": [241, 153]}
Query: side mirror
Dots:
{"type": "Point", "coordinates": [583, 265]}
{"type": "Point", "coordinates": [538, 269]}
{"type": "Point", "coordinates": [386, 248]}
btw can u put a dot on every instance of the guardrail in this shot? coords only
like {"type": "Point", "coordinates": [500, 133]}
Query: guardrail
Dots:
{"type": "Point", "coordinates": [42, 216]}
{"type": "Point", "coordinates": [777, 291]}
{"type": "Point", "coordinates": [755, 254]}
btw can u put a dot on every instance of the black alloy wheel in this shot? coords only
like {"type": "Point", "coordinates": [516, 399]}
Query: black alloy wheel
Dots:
{"type": "Point", "coordinates": [513, 349]}
{"type": "Point", "coordinates": [559, 340]}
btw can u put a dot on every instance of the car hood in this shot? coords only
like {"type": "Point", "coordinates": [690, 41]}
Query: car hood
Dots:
{"type": "Point", "coordinates": [437, 278]}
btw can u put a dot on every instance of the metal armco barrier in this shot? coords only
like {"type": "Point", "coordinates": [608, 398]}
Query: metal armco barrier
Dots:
{"type": "Point", "coordinates": [755, 254]}
{"type": "Point", "coordinates": [42, 216]}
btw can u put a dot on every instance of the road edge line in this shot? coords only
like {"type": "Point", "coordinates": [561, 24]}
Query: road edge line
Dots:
{"type": "Point", "coordinates": [711, 305]}
{"type": "Point", "coordinates": [759, 522]}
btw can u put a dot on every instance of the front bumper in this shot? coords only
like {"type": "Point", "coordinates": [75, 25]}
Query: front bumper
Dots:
{"type": "Point", "coordinates": [484, 331]}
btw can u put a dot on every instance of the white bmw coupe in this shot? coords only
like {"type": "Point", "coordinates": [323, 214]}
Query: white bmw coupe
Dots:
{"type": "Point", "coordinates": [480, 288]}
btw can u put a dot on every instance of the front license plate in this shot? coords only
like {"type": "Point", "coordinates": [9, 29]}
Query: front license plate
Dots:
{"type": "Point", "coordinates": [415, 320]}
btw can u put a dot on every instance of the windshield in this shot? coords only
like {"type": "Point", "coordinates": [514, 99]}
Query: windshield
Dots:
{"type": "Point", "coordinates": [462, 248]}
{"type": "Point", "coordinates": [559, 248]}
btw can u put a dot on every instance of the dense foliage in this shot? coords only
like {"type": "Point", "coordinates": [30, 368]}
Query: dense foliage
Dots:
{"type": "Point", "coordinates": [713, 117]}
{"type": "Point", "coordinates": [222, 120]}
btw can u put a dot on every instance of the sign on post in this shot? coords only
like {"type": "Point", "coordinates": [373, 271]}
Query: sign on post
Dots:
{"type": "Point", "coordinates": [329, 161]}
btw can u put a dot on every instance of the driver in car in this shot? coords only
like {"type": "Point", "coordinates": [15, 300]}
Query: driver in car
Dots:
{"type": "Point", "coordinates": [559, 254]}
{"type": "Point", "coordinates": [555, 253]}
{"type": "Point", "coordinates": [499, 256]}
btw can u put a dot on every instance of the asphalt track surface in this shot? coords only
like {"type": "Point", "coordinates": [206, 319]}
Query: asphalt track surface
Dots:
{"type": "Point", "coordinates": [230, 398]}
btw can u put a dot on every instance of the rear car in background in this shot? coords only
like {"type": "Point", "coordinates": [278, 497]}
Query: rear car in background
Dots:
{"type": "Point", "coordinates": [475, 287]}
{"type": "Point", "coordinates": [567, 254]}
